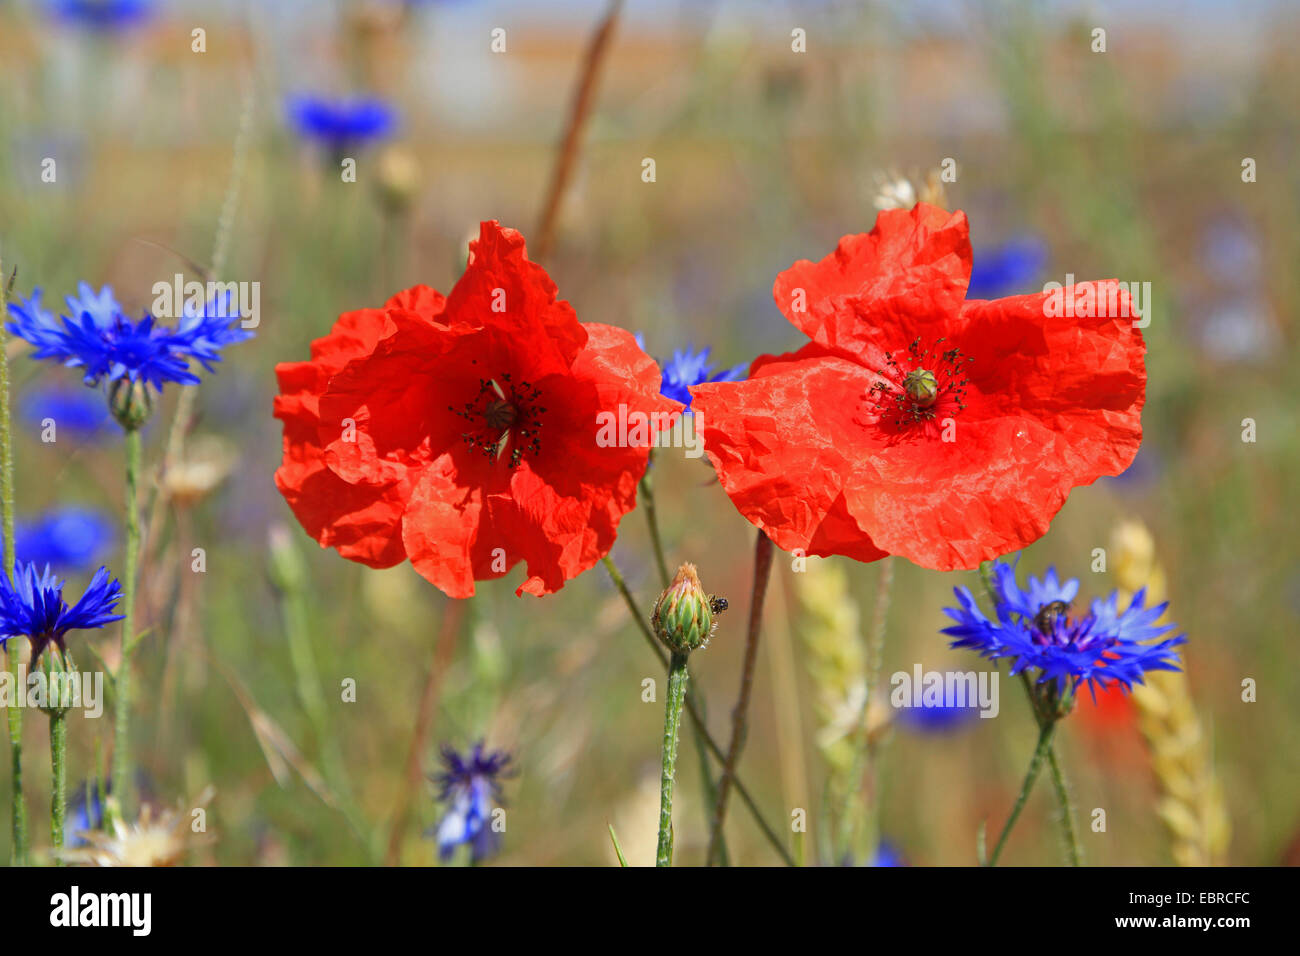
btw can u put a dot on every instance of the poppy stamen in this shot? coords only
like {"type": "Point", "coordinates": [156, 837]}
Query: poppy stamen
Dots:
{"type": "Point", "coordinates": [507, 416]}
{"type": "Point", "coordinates": [927, 384]}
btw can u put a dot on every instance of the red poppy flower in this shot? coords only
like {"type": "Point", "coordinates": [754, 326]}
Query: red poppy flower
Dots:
{"type": "Point", "coordinates": [462, 432]}
{"type": "Point", "coordinates": [917, 423]}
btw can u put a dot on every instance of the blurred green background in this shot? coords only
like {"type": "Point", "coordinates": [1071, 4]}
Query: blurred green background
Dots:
{"type": "Point", "coordinates": [1123, 164]}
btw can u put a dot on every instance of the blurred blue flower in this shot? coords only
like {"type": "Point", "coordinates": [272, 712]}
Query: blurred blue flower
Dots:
{"type": "Point", "coordinates": [101, 15]}
{"type": "Point", "coordinates": [1145, 467]}
{"type": "Point", "coordinates": [1238, 328]}
{"type": "Point", "coordinates": [1009, 269]}
{"type": "Point", "coordinates": [338, 124]}
{"type": "Point", "coordinates": [689, 367]}
{"type": "Point", "coordinates": [72, 409]}
{"type": "Point", "coordinates": [467, 788]}
{"type": "Point", "coordinates": [1036, 628]}
{"type": "Point", "coordinates": [98, 337]}
{"type": "Point", "coordinates": [1234, 322]}
{"type": "Point", "coordinates": [85, 814]}
{"type": "Point", "coordinates": [936, 718]}
{"type": "Point", "coordinates": [1231, 254]}
{"type": "Point", "coordinates": [32, 606]}
{"type": "Point", "coordinates": [70, 538]}
{"type": "Point", "coordinates": [887, 855]}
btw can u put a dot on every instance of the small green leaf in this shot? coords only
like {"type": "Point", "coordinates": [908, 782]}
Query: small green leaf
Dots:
{"type": "Point", "coordinates": [618, 850]}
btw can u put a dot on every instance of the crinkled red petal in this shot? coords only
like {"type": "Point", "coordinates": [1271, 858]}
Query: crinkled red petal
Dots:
{"type": "Point", "coordinates": [779, 444]}
{"type": "Point", "coordinates": [362, 523]}
{"type": "Point", "coordinates": [913, 267]}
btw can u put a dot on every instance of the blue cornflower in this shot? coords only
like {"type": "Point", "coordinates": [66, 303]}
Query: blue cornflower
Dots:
{"type": "Point", "coordinates": [338, 124]}
{"type": "Point", "coordinates": [1036, 628]}
{"type": "Point", "coordinates": [33, 607]}
{"type": "Point", "coordinates": [97, 336]}
{"type": "Point", "coordinates": [68, 539]}
{"type": "Point", "coordinates": [468, 787]}
{"type": "Point", "coordinates": [103, 15]}
{"type": "Point", "coordinates": [208, 330]}
{"type": "Point", "coordinates": [35, 323]}
{"type": "Point", "coordinates": [689, 367]}
{"type": "Point", "coordinates": [72, 409]}
{"type": "Point", "coordinates": [1008, 269]}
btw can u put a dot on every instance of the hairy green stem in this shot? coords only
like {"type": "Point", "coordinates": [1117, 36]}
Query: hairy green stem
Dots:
{"type": "Point", "coordinates": [1035, 765]}
{"type": "Point", "coordinates": [678, 677]}
{"type": "Point", "coordinates": [741, 790]}
{"type": "Point", "coordinates": [13, 651]}
{"type": "Point", "coordinates": [121, 775]}
{"type": "Point", "coordinates": [18, 848]}
{"type": "Point", "coordinates": [59, 775]}
{"type": "Point", "coordinates": [1073, 849]}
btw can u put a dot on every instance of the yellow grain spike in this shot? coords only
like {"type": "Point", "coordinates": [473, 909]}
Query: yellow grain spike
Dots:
{"type": "Point", "coordinates": [1191, 802]}
{"type": "Point", "coordinates": [836, 660]}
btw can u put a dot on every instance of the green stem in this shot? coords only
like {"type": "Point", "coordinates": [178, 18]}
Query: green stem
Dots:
{"type": "Point", "coordinates": [59, 779]}
{"type": "Point", "coordinates": [18, 851]}
{"type": "Point", "coordinates": [13, 655]}
{"type": "Point", "coordinates": [121, 775]}
{"type": "Point", "coordinates": [678, 677]}
{"type": "Point", "coordinates": [742, 791]}
{"type": "Point", "coordinates": [1035, 765]}
{"type": "Point", "coordinates": [651, 517]}
{"type": "Point", "coordinates": [986, 578]}
{"type": "Point", "coordinates": [1074, 850]}
{"type": "Point", "coordinates": [1059, 785]}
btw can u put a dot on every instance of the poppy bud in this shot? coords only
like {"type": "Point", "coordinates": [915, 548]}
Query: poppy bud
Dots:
{"type": "Point", "coordinates": [683, 616]}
